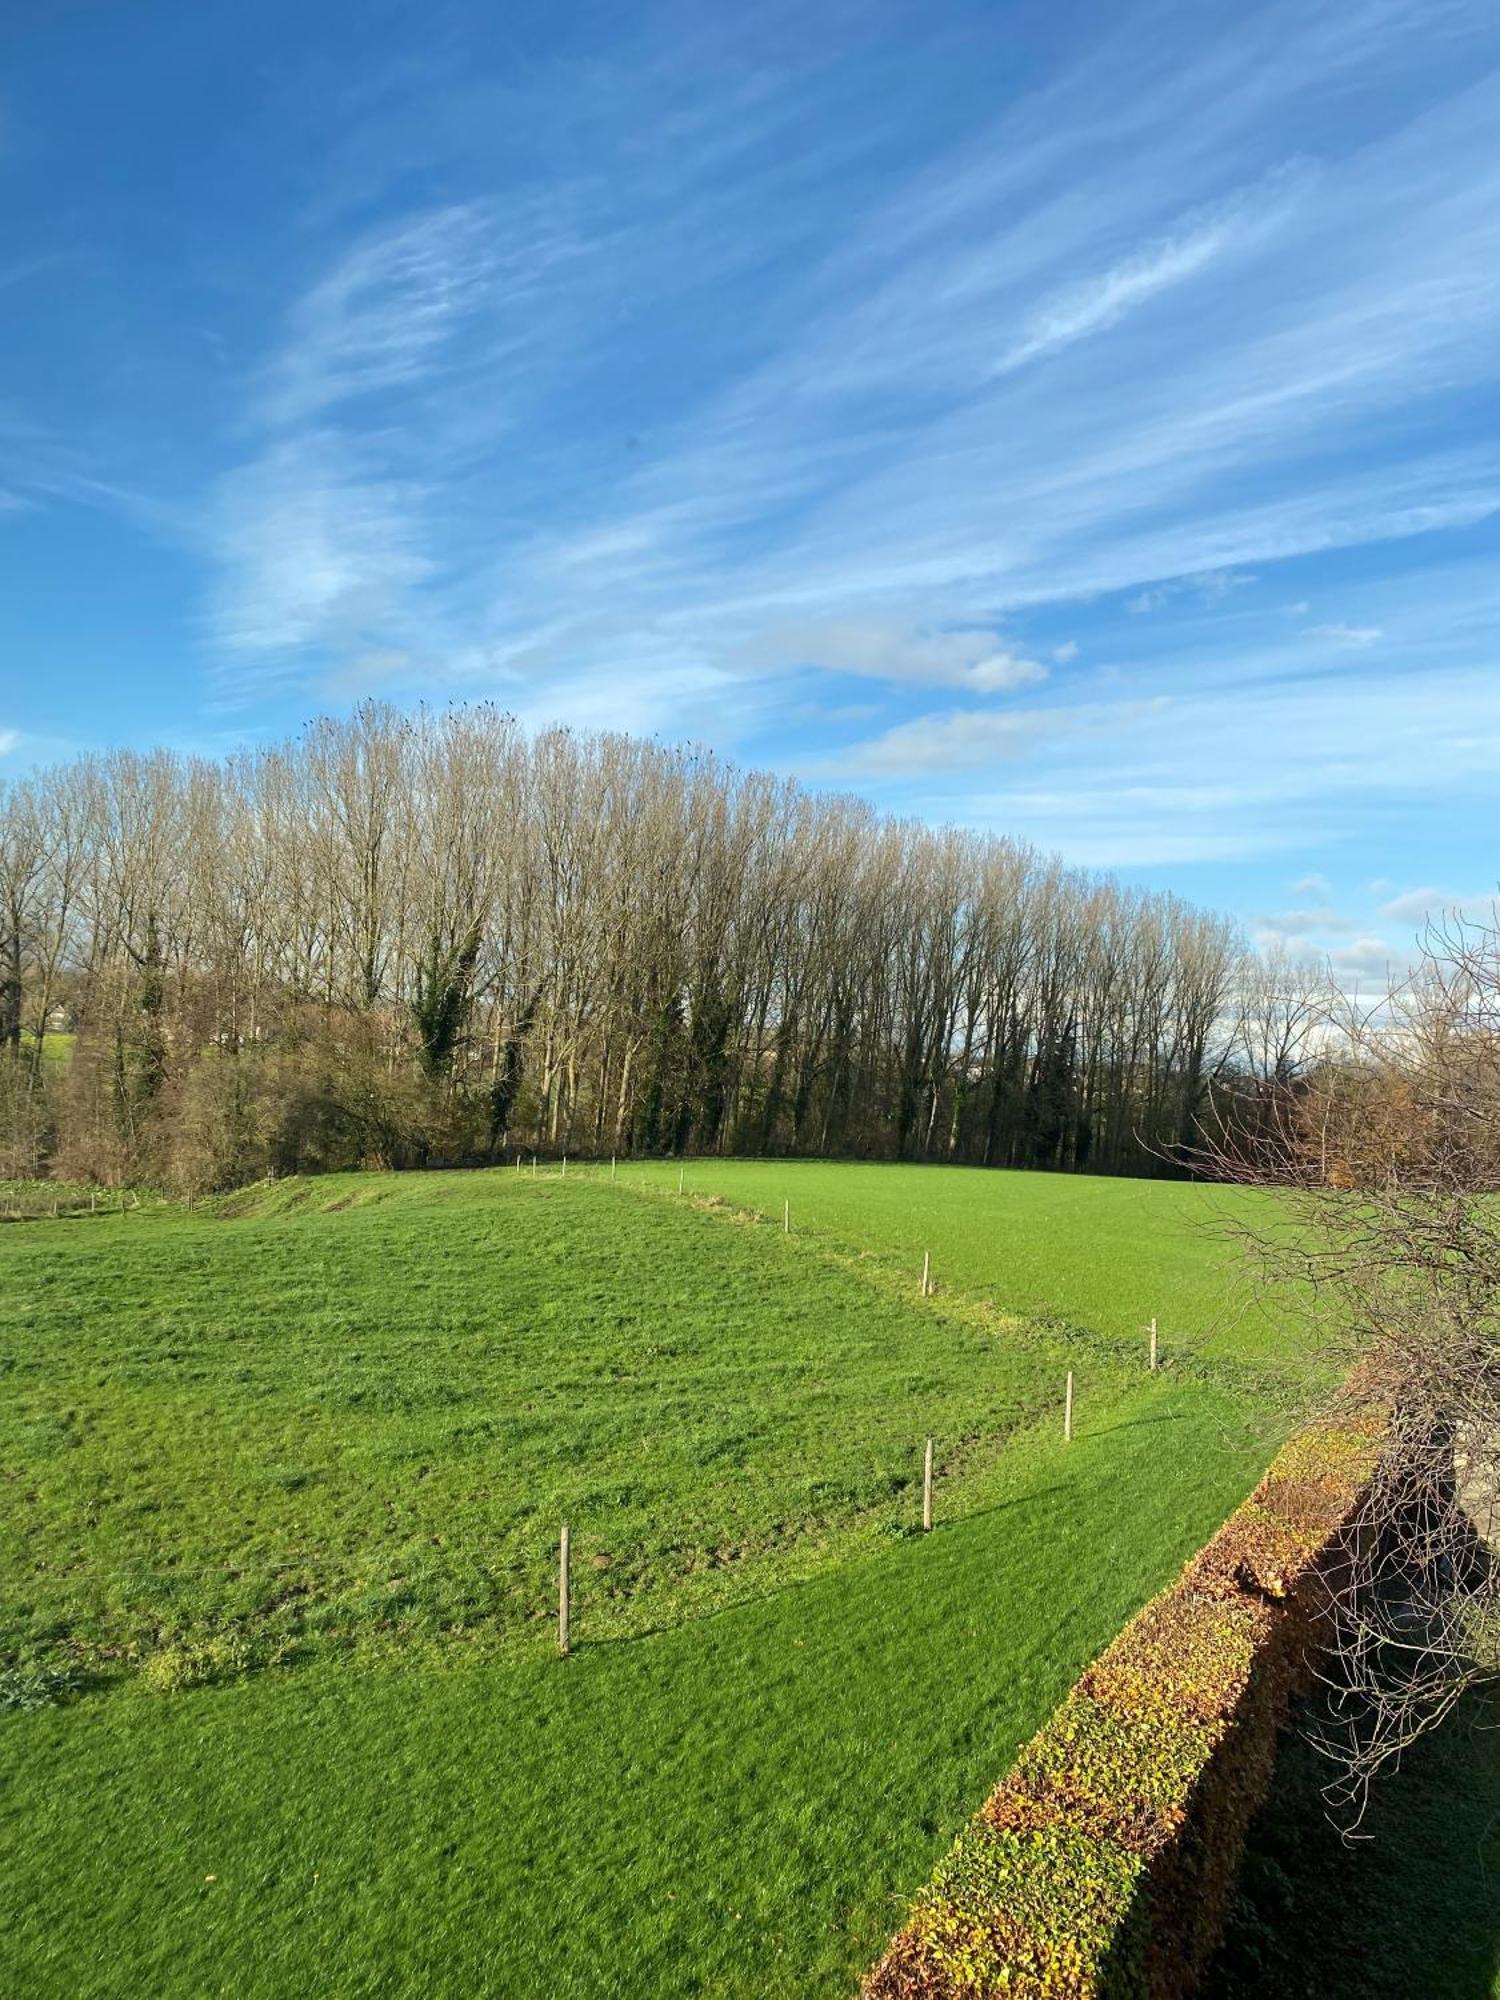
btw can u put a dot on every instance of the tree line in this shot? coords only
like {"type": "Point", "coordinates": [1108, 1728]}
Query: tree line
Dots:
{"type": "Point", "coordinates": [407, 939]}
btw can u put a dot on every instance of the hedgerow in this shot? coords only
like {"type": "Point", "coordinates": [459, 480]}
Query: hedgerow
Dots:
{"type": "Point", "coordinates": [1100, 1866]}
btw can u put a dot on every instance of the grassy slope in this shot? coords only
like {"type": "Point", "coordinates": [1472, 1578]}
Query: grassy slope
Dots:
{"type": "Point", "coordinates": [736, 1803]}
{"type": "Point", "coordinates": [1105, 1254]}
{"type": "Point", "coordinates": [364, 1417]}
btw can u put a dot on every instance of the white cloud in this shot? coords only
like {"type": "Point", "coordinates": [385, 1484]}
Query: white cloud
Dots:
{"type": "Point", "coordinates": [1354, 637]}
{"type": "Point", "coordinates": [688, 703]}
{"type": "Point", "coordinates": [380, 317]}
{"type": "Point", "coordinates": [848, 445]}
{"type": "Point", "coordinates": [1067, 651]}
{"type": "Point", "coordinates": [337, 536]}
{"type": "Point", "coordinates": [1323, 922]}
{"type": "Point", "coordinates": [1247, 762]}
{"type": "Point", "coordinates": [1368, 958]}
{"type": "Point", "coordinates": [957, 741]}
{"type": "Point", "coordinates": [1417, 906]}
{"type": "Point", "coordinates": [1096, 304]}
{"type": "Point", "coordinates": [889, 649]}
{"type": "Point", "coordinates": [974, 739]}
{"type": "Point", "coordinates": [1209, 586]}
{"type": "Point", "coordinates": [321, 549]}
{"type": "Point", "coordinates": [1317, 886]}
{"type": "Point", "coordinates": [9, 738]}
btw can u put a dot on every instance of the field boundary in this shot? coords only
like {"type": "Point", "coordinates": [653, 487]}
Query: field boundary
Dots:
{"type": "Point", "coordinates": [886, 1275]}
{"type": "Point", "coordinates": [1102, 1864]}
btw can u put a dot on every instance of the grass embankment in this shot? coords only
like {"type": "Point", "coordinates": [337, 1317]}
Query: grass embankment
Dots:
{"type": "Point", "coordinates": [317, 1448]}
{"type": "Point", "coordinates": [1098, 1255]}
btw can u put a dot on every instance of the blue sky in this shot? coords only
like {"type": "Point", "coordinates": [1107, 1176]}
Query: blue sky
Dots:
{"type": "Point", "coordinates": [1079, 421]}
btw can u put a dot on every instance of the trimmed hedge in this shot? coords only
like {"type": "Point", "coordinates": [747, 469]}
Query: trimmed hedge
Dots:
{"type": "Point", "coordinates": [1100, 1867]}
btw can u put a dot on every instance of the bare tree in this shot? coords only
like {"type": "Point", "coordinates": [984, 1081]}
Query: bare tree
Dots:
{"type": "Point", "coordinates": [427, 936]}
{"type": "Point", "coordinates": [1381, 1127]}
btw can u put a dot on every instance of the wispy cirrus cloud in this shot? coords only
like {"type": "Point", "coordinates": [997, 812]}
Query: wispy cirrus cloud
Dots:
{"type": "Point", "coordinates": [330, 537]}
{"type": "Point", "coordinates": [713, 383]}
{"type": "Point", "coordinates": [1353, 637]}
{"type": "Point", "coordinates": [1305, 923]}
{"type": "Point", "coordinates": [977, 739]}
{"type": "Point", "coordinates": [1139, 780]}
{"type": "Point", "coordinates": [1209, 586]}
{"type": "Point", "coordinates": [1211, 327]}
{"type": "Point", "coordinates": [380, 319]}
{"type": "Point", "coordinates": [1095, 304]}
{"type": "Point", "coordinates": [324, 545]}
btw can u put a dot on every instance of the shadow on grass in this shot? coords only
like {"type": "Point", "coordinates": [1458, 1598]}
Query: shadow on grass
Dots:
{"type": "Point", "coordinates": [908, 1536]}
{"type": "Point", "coordinates": [1132, 1424]}
{"type": "Point", "coordinates": [1411, 1911]}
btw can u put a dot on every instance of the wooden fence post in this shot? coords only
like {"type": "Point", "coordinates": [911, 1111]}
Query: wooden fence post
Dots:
{"type": "Point", "coordinates": [927, 1490]}
{"type": "Point", "coordinates": [1068, 1410]}
{"type": "Point", "coordinates": [563, 1554]}
{"type": "Point", "coordinates": [926, 1274]}
{"type": "Point", "coordinates": [611, 1166]}
{"type": "Point", "coordinates": [680, 1172]}
{"type": "Point", "coordinates": [1153, 1346]}
{"type": "Point", "coordinates": [786, 1218]}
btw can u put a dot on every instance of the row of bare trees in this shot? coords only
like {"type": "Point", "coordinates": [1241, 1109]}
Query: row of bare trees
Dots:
{"type": "Point", "coordinates": [407, 938]}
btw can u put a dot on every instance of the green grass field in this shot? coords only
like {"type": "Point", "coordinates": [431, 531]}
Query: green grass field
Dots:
{"type": "Point", "coordinates": [1105, 1255]}
{"type": "Point", "coordinates": [279, 1496]}
{"type": "Point", "coordinates": [57, 1046]}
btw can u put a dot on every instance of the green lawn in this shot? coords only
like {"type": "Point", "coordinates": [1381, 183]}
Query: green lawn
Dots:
{"type": "Point", "coordinates": [1102, 1254]}
{"type": "Point", "coordinates": [313, 1452]}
